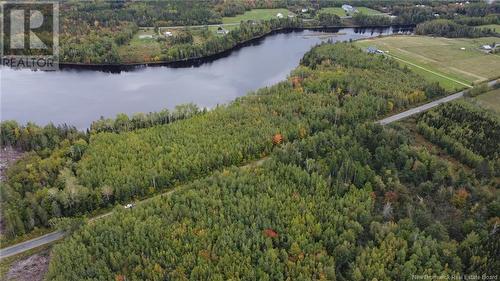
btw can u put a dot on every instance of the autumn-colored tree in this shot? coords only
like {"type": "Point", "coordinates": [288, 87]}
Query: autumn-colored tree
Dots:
{"type": "Point", "coordinates": [460, 197]}
{"type": "Point", "coordinates": [270, 233]}
{"type": "Point", "coordinates": [277, 139]}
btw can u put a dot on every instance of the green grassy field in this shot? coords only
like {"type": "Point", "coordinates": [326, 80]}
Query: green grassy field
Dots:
{"type": "Point", "coordinates": [140, 49]}
{"type": "Point", "coordinates": [341, 13]}
{"type": "Point", "coordinates": [443, 56]}
{"type": "Point", "coordinates": [495, 27]}
{"type": "Point", "coordinates": [256, 14]}
{"type": "Point", "coordinates": [334, 10]}
{"type": "Point", "coordinates": [489, 100]}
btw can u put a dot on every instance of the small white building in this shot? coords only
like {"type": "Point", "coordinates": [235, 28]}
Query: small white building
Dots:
{"type": "Point", "coordinates": [221, 30]}
{"type": "Point", "coordinates": [348, 9]}
{"type": "Point", "coordinates": [279, 15]}
{"type": "Point", "coordinates": [304, 10]}
{"type": "Point", "coordinates": [486, 47]}
{"type": "Point", "coordinates": [168, 34]}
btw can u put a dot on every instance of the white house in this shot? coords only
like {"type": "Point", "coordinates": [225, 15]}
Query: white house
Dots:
{"type": "Point", "coordinates": [279, 15]}
{"type": "Point", "coordinates": [486, 47]}
{"type": "Point", "coordinates": [348, 8]}
{"type": "Point", "coordinates": [304, 10]}
{"type": "Point", "coordinates": [221, 30]}
{"type": "Point", "coordinates": [168, 34]}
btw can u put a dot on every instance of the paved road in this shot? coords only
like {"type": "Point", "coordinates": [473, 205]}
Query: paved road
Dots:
{"type": "Point", "coordinates": [54, 236]}
{"type": "Point", "coordinates": [31, 244]}
{"type": "Point", "coordinates": [425, 107]}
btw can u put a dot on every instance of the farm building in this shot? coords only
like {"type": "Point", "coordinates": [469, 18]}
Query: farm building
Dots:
{"type": "Point", "coordinates": [373, 50]}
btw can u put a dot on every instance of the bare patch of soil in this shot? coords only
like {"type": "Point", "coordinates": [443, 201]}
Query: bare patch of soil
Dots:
{"type": "Point", "coordinates": [8, 155]}
{"type": "Point", "coordinates": [32, 268]}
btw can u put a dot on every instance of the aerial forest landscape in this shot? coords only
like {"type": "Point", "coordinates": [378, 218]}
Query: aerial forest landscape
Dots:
{"type": "Point", "coordinates": [250, 140]}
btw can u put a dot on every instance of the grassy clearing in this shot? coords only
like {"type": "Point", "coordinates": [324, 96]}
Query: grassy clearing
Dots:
{"type": "Point", "coordinates": [256, 14]}
{"type": "Point", "coordinates": [443, 56]}
{"type": "Point", "coordinates": [334, 10]}
{"type": "Point", "coordinates": [341, 13]}
{"type": "Point", "coordinates": [448, 84]}
{"type": "Point", "coordinates": [495, 27]}
{"type": "Point", "coordinates": [489, 100]}
{"type": "Point", "coordinates": [140, 49]}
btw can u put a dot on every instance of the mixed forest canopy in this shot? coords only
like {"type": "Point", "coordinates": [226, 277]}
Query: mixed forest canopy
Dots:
{"type": "Point", "coordinates": [333, 84]}
{"type": "Point", "coordinates": [339, 198]}
{"type": "Point", "coordinates": [295, 181]}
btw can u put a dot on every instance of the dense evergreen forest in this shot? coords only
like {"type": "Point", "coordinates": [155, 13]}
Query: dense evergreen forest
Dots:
{"type": "Point", "coordinates": [339, 198]}
{"type": "Point", "coordinates": [467, 132]}
{"type": "Point", "coordinates": [351, 203]}
{"type": "Point", "coordinates": [451, 29]}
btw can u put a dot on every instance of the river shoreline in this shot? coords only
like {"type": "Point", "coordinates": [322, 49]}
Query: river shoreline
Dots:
{"type": "Point", "coordinates": [197, 61]}
{"type": "Point", "coordinates": [79, 96]}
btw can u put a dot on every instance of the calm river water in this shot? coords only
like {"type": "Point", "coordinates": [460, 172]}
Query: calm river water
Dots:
{"type": "Point", "coordinates": [78, 97]}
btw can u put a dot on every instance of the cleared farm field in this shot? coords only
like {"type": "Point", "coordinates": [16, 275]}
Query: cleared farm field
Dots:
{"type": "Point", "coordinates": [334, 10]}
{"type": "Point", "coordinates": [454, 63]}
{"type": "Point", "coordinates": [142, 47]}
{"type": "Point", "coordinates": [256, 14]}
{"type": "Point", "coordinates": [341, 13]}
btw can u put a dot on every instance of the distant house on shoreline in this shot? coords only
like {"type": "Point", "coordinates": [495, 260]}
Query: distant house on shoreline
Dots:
{"type": "Point", "coordinates": [221, 30]}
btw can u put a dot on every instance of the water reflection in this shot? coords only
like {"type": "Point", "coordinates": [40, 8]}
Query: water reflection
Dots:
{"type": "Point", "coordinates": [78, 97]}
